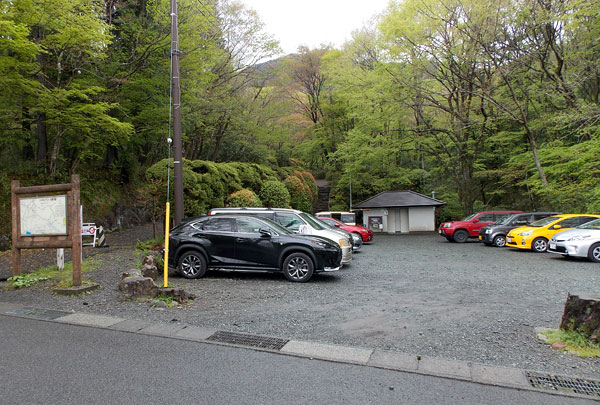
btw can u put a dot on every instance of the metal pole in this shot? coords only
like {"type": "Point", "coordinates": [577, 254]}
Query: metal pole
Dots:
{"type": "Point", "coordinates": [177, 148]}
{"type": "Point", "coordinates": [350, 191]}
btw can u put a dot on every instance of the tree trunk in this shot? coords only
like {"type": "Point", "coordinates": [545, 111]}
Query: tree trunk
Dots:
{"type": "Point", "coordinates": [582, 314]}
{"type": "Point", "coordinates": [536, 159]}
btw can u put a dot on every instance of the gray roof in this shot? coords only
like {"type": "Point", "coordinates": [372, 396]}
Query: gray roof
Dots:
{"type": "Point", "coordinates": [390, 199]}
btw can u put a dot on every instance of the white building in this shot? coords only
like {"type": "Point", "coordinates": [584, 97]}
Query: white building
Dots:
{"type": "Point", "coordinates": [399, 212]}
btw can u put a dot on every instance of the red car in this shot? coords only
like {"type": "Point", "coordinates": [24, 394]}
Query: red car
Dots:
{"type": "Point", "coordinates": [365, 233]}
{"type": "Point", "coordinates": [460, 231]}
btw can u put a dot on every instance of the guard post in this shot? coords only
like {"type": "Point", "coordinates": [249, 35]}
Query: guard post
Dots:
{"type": "Point", "coordinates": [47, 216]}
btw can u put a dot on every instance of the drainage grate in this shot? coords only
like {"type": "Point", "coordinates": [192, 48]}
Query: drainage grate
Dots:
{"type": "Point", "coordinates": [248, 340]}
{"type": "Point", "coordinates": [557, 383]}
{"type": "Point", "coordinates": [44, 314]}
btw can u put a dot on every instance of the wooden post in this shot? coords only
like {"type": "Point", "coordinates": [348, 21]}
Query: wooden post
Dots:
{"type": "Point", "coordinates": [16, 252]}
{"type": "Point", "coordinates": [60, 258]}
{"type": "Point", "coordinates": [75, 226]}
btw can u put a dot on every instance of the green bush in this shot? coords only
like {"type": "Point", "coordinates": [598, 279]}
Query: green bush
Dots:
{"type": "Point", "coordinates": [300, 197]}
{"type": "Point", "coordinates": [243, 198]}
{"type": "Point", "coordinates": [274, 194]}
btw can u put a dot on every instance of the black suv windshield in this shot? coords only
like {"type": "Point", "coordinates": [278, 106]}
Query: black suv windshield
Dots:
{"type": "Point", "coordinates": [276, 226]}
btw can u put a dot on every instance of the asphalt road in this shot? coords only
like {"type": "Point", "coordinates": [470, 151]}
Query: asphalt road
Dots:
{"type": "Point", "coordinates": [416, 294]}
{"type": "Point", "coordinates": [45, 362]}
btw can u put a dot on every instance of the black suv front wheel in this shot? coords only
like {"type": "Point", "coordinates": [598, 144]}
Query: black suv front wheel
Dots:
{"type": "Point", "coordinates": [298, 267]}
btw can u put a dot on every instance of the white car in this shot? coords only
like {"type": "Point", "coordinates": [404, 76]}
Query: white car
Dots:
{"type": "Point", "coordinates": [295, 221]}
{"type": "Point", "coordinates": [582, 241]}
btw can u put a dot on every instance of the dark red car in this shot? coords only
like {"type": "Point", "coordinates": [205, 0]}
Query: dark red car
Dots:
{"type": "Point", "coordinates": [460, 231]}
{"type": "Point", "coordinates": [365, 233]}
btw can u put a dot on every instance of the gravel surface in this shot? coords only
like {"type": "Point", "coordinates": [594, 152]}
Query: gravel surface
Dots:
{"type": "Point", "coordinates": [417, 294]}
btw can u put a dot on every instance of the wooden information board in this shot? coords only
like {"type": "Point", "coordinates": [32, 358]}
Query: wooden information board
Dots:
{"type": "Point", "coordinates": [47, 216]}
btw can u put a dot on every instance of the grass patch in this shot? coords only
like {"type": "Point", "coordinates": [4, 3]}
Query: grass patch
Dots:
{"type": "Point", "coordinates": [150, 244]}
{"type": "Point", "coordinates": [59, 278]}
{"type": "Point", "coordinates": [576, 342]}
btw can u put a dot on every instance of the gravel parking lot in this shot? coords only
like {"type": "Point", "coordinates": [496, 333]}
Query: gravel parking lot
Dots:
{"type": "Point", "coordinates": [417, 294]}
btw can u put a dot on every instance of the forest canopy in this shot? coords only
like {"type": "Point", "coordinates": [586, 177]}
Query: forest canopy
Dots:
{"type": "Point", "coordinates": [489, 104]}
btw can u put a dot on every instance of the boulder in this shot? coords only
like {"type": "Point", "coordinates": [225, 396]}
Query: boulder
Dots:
{"type": "Point", "coordinates": [150, 260]}
{"type": "Point", "coordinates": [149, 270]}
{"type": "Point", "coordinates": [131, 273]}
{"type": "Point", "coordinates": [582, 314]}
{"type": "Point", "coordinates": [178, 294]}
{"type": "Point", "coordinates": [138, 287]}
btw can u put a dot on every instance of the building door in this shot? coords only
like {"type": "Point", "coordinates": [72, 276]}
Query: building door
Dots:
{"type": "Point", "coordinates": [376, 223]}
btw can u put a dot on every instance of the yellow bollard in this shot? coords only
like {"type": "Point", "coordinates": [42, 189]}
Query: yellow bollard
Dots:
{"type": "Point", "coordinates": [166, 266]}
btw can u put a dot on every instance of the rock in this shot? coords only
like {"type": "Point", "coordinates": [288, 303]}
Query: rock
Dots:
{"type": "Point", "coordinates": [160, 304]}
{"type": "Point", "coordinates": [4, 243]}
{"type": "Point", "coordinates": [149, 270]}
{"type": "Point", "coordinates": [559, 345]}
{"type": "Point", "coordinates": [138, 287]}
{"type": "Point", "coordinates": [131, 273]}
{"type": "Point", "coordinates": [178, 294]}
{"type": "Point", "coordinates": [150, 260]}
{"type": "Point", "coordinates": [582, 314]}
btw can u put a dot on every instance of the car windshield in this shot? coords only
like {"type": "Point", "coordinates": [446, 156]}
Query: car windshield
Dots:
{"type": "Point", "coordinates": [595, 224]}
{"type": "Point", "coordinates": [313, 221]}
{"type": "Point", "coordinates": [505, 220]}
{"type": "Point", "coordinates": [347, 218]}
{"type": "Point", "coordinates": [329, 222]}
{"type": "Point", "coordinates": [276, 226]}
{"type": "Point", "coordinates": [544, 222]}
{"type": "Point", "coordinates": [469, 217]}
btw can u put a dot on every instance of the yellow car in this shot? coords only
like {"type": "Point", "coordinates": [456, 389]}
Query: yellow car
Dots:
{"type": "Point", "coordinates": [535, 236]}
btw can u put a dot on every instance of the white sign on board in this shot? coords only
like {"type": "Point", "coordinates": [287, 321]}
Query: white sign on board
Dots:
{"type": "Point", "coordinates": [43, 216]}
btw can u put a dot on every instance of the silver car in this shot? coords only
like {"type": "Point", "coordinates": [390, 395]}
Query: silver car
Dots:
{"type": "Point", "coordinates": [583, 241]}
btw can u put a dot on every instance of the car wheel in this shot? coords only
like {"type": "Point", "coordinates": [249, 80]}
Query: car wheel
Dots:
{"type": "Point", "coordinates": [298, 267]}
{"type": "Point", "coordinates": [539, 245]}
{"type": "Point", "coordinates": [192, 265]}
{"type": "Point", "coordinates": [594, 253]}
{"type": "Point", "coordinates": [499, 241]}
{"type": "Point", "coordinates": [460, 236]}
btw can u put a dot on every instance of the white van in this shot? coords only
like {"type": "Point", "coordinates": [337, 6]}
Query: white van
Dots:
{"type": "Point", "coordinates": [295, 221]}
{"type": "Point", "coordinates": [348, 218]}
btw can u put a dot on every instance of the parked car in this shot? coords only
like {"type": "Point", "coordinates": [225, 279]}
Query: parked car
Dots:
{"type": "Point", "coordinates": [460, 231]}
{"type": "Point", "coordinates": [234, 242]}
{"type": "Point", "coordinates": [495, 234]}
{"type": "Point", "coordinates": [536, 235]}
{"type": "Point", "coordinates": [357, 241]}
{"type": "Point", "coordinates": [294, 221]}
{"type": "Point", "coordinates": [347, 218]}
{"type": "Point", "coordinates": [583, 241]}
{"type": "Point", "coordinates": [365, 233]}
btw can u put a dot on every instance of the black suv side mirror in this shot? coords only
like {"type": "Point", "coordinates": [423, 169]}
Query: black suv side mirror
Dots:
{"type": "Point", "coordinates": [264, 232]}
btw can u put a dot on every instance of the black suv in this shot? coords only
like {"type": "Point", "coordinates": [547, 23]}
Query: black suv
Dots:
{"type": "Point", "coordinates": [495, 234]}
{"type": "Point", "coordinates": [234, 242]}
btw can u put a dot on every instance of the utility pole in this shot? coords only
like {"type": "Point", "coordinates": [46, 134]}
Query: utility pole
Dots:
{"type": "Point", "coordinates": [176, 90]}
{"type": "Point", "coordinates": [350, 191]}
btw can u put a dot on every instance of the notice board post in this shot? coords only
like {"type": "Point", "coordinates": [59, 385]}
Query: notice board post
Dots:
{"type": "Point", "coordinates": [47, 216]}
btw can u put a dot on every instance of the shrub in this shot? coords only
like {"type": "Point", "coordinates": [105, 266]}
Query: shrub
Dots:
{"type": "Point", "coordinates": [243, 198]}
{"type": "Point", "coordinates": [300, 198]}
{"type": "Point", "coordinates": [274, 194]}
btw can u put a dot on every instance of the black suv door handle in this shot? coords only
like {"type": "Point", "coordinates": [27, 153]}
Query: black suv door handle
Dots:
{"type": "Point", "coordinates": [240, 239]}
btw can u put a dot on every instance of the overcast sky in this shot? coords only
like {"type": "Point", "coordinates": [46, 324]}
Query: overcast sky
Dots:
{"type": "Point", "coordinates": [314, 22]}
